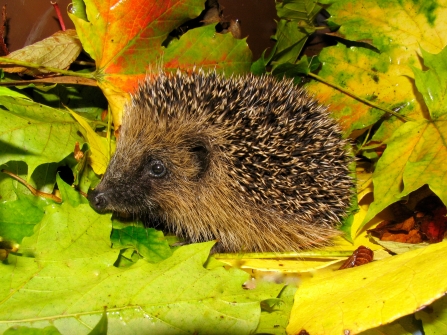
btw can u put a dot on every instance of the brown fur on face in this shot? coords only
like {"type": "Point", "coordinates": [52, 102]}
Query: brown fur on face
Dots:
{"type": "Point", "coordinates": [250, 161]}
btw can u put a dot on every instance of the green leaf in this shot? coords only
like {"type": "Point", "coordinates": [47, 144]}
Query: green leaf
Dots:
{"type": "Point", "coordinates": [78, 9]}
{"type": "Point", "coordinates": [102, 326]}
{"type": "Point", "coordinates": [434, 317]}
{"type": "Point", "coordinates": [5, 91]}
{"type": "Point", "coordinates": [301, 10]}
{"type": "Point", "coordinates": [148, 242]}
{"type": "Point", "coordinates": [223, 52]}
{"type": "Point", "coordinates": [50, 330]}
{"type": "Point", "coordinates": [18, 217]}
{"type": "Point", "coordinates": [69, 194]}
{"type": "Point", "coordinates": [71, 278]}
{"type": "Point", "coordinates": [275, 320]}
{"type": "Point", "coordinates": [9, 187]}
{"type": "Point", "coordinates": [432, 83]}
{"type": "Point", "coordinates": [290, 39]}
{"type": "Point", "coordinates": [68, 232]}
{"type": "Point", "coordinates": [416, 152]}
{"type": "Point", "coordinates": [87, 100]}
{"type": "Point", "coordinates": [397, 29]}
{"type": "Point", "coordinates": [297, 71]}
{"type": "Point", "coordinates": [35, 133]}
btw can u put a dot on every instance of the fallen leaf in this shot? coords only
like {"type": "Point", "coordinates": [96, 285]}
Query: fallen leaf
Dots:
{"type": "Point", "coordinates": [371, 295]}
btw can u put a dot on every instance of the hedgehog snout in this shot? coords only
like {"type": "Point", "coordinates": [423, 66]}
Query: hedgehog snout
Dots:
{"type": "Point", "coordinates": [98, 200]}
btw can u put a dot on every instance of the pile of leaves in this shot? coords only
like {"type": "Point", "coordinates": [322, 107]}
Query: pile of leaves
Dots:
{"type": "Point", "coordinates": [68, 270]}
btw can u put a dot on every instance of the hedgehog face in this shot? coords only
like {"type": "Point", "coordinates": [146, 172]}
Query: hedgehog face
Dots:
{"type": "Point", "coordinates": [150, 183]}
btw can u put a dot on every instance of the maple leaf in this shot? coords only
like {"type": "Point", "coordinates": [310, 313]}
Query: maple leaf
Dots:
{"type": "Point", "coordinates": [126, 40]}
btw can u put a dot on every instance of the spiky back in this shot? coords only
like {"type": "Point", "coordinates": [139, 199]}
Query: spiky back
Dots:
{"type": "Point", "coordinates": [284, 149]}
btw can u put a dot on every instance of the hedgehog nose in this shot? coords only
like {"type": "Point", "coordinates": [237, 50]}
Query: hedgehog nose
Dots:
{"type": "Point", "coordinates": [98, 200]}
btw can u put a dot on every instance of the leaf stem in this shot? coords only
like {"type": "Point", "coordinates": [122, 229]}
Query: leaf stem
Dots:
{"type": "Point", "coordinates": [90, 75]}
{"type": "Point", "coordinates": [35, 192]}
{"type": "Point", "coordinates": [59, 15]}
{"type": "Point", "coordinates": [52, 80]}
{"type": "Point", "coordinates": [369, 103]}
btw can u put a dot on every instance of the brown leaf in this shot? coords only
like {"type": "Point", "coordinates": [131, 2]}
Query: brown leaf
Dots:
{"type": "Point", "coordinates": [362, 255]}
{"type": "Point", "coordinates": [57, 51]}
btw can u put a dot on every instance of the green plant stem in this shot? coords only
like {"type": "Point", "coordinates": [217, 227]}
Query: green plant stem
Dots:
{"type": "Point", "coordinates": [90, 75]}
{"type": "Point", "coordinates": [271, 255]}
{"type": "Point", "coordinates": [369, 103]}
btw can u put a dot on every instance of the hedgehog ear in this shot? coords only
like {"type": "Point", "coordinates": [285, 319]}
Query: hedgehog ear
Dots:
{"type": "Point", "coordinates": [201, 156]}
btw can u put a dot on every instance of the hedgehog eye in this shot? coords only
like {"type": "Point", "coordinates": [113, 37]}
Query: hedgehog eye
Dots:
{"type": "Point", "coordinates": [157, 169]}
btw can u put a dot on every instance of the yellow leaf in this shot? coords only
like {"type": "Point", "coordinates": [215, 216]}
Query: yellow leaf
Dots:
{"type": "Point", "coordinates": [353, 300]}
{"type": "Point", "coordinates": [99, 158]}
{"type": "Point", "coordinates": [116, 97]}
{"type": "Point", "coordinates": [281, 265]}
{"type": "Point", "coordinates": [415, 156]}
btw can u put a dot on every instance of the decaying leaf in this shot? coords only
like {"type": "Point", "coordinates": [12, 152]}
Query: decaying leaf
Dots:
{"type": "Point", "coordinates": [57, 51]}
{"type": "Point", "coordinates": [361, 256]}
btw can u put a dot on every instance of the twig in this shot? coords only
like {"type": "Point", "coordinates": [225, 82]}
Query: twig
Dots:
{"type": "Point", "coordinates": [59, 15]}
{"type": "Point", "coordinates": [90, 75]}
{"type": "Point", "coordinates": [369, 103]}
{"type": "Point", "coordinates": [3, 46]}
{"type": "Point", "coordinates": [35, 192]}
{"type": "Point", "coordinates": [52, 80]}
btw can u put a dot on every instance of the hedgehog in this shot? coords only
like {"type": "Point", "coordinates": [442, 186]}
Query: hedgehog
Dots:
{"type": "Point", "coordinates": [252, 162]}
